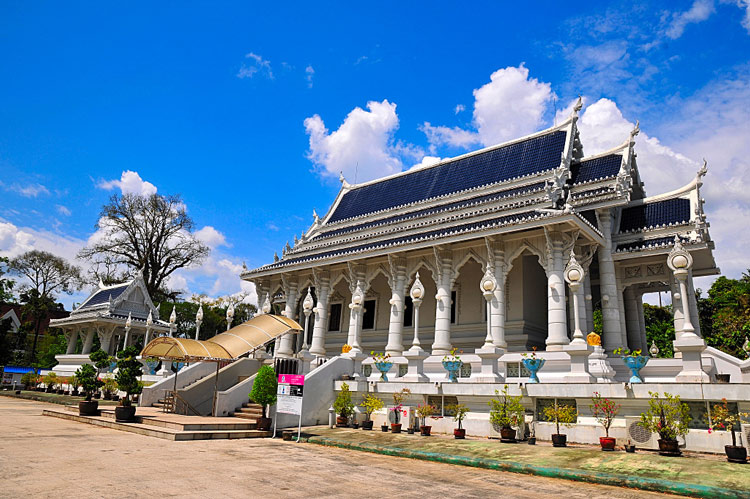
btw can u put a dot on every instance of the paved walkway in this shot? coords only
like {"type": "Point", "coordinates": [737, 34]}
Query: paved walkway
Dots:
{"type": "Point", "coordinates": [48, 457]}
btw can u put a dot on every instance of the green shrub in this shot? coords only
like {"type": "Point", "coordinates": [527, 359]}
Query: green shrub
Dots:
{"type": "Point", "coordinates": [505, 410]}
{"type": "Point", "coordinates": [129, 369]}
{"type": "Point", "coordinates": [343, 404]}
{"type": "Point", "coordinates": [668, 416]}
{"type": "Point", "coordinates": [264, 387]}
{"type": "Point", "coordinates": [564, 414]}
{"type": "Point", "coordinates": [86, 375]}
{"type": "Point", "coordinates": [371, 404]}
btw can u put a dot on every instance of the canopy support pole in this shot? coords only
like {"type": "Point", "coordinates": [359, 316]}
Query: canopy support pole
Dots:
{"type": "Point", "coordinates": [216, 387]}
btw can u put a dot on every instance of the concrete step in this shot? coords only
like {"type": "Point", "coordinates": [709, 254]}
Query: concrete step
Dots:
{"type": "Point", "coordinates": [250, 410]}
{"type": "Point", "coordinates": [148, 428]}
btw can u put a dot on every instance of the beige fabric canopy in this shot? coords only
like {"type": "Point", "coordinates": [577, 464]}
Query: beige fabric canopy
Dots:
{"type": "Point", "coordinates": [238, 341]}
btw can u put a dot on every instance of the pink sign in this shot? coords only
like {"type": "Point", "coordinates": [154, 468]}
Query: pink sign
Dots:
{"type": "Point", "coordinates": [292, 379]}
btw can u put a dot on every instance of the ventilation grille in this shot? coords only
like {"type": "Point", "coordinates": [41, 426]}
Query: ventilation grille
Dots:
{"type": "Point", "coordinates": [639, 433]}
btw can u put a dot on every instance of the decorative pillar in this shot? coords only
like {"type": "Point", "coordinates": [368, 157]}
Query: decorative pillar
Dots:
{"type": "Point", "coordinates": [589, 303]}
{"type": "Point", "coordinates": [304, 354]}
{"type": "Point", "coordinates": [230, 316]}
{"type": "Point", "coordinates": [578, 349]}
{"type": "Point", "coordinates": [149, 325]}
{"type": "Point", "coordinates": [489, 353]}
{"type": "Point", "coordinates": [286, 345]}
{"type": "Point", "coordinates": [88, 342]}
{"type": "Point", "coordinates": [688, 343]}
{"type": "Point", "coordinates": [72, 341]}
{"type": "Point", "coordinates": [397, 281]}
{"type": "Point", "coordinates": [416, 354]}
{"type": "Point", "coordinates": [693, 304]}
{"type": "Point", "coordinates": [632, 320]}
{"type": "Point", "coordinates": [320, 327]}
{"type": "Point", "coordinates": [198, 321]}
{"type": "Point", "coordinates": [105, 338]}
{"type": "Point", "coordinates": [355, 307]}
{"type": "Point", "coordinates": [443, 263]}
{"type": "Point", "coordinates": [674, 289]}
{"type": "Point", "coordinates": [496, 262]}
{"type": "Point", "coordinates": [641, 320]}
{"type": "Point", "coordinates": [128, 325]}
{"type": "Point", "coordinates": [612, 328]}
{"type": "Point", "coordinates": [173, 321]}
{"type": "Point", "coordinates": [557, 329]}
{"type": "Point", "coordinates": [356, 281]}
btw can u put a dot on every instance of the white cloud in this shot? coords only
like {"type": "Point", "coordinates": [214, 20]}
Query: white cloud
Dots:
{"type": "Point", "coordinates": [211, 237]}
{"type": "Point", "coordinates": [509, 106]}
{"type": "Point", "coordinates": [256, 65]}
{"type": "Point", "coordinates": [745, 5]}
{"type": "Point", "coordinates": [698, 12]}
{"type": "Point", "coordinates": [362, 147]}
{"type": "Point", "coordinates": [130, 183]}
{"type": "Point", "coordinates": [309, 73]}
{"type": "Point", "coordinates": [426, 161]}
{"type": "Point", "coordinates": [459, 108]}
{"type": "Point", "coordinates": [28, 191]}
{"type": "Point", "coordinates": [63, 210]}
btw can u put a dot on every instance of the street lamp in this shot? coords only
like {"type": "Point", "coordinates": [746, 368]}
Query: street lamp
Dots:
{"type": "Point", "coordinates": [230, 316]}
{"type": "Point", "coordinates": [417, 293]}
{"type": "Point", "coordinates": [307, 306]}
{"type": "Point", "coordinates": [356, 306]}
{"type": "Point", "coordinates": [266, 308]}
{"type": "Point", "coordinates": [128, 324]}
{"type": "Point", "coordinates": [680, 261]}
{"type": "Point", "coordinates": [149, 324]}
{"type": "Point", "coordinates": [198, 321]}
{"type": "Point", "coordinates": [574, 275]}
{"type": "Point", "coordinates": [172, 320]}
{"type": "Point", "coordinates": [487, 286]}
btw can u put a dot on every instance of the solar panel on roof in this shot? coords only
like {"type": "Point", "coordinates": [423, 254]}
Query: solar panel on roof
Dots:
{"type": "Point", "coordinates": [669, 211]}
{"type": "Point", "coordinates": [593, 169]}
{"type": "Point", "coordinates": [497, 165]}
{"type": "Point", "coordinates": [103, 296]}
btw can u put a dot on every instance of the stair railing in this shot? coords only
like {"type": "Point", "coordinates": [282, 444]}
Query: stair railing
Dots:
{"type": "Point", "coordinates": [175, 403]}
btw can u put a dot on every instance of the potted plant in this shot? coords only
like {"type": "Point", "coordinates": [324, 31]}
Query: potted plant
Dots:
{"type": "Point", "coordinates": [128, 372]}
{"type": "Point", "coordinates": [343, 406]}
{"type": "Point", "coordinates": [29, 380]}
{"type": "Point", "coordinates": [532, 435]}
{"type": "Point", "coordinates": [423, 412]}
{"type": "Point", "coordinates": [151, 364]}
{"type": "Point", "coordinates": [668, 417]}
{"type": "Point", "coordinates": [264, 393]}
{"type": "Point", "coordinates": [629, 447]}
{"type": "Point", "coordinates": [109, 388]}
{"type": "Point", "coordinates": [452, 363]}
{"type": "Point", "coordinates": [61, 381]}
{"type": "Point", "coordinates": [371, 403]}
{"type": "Point", "coordinates": [398, 401]}
{"type": "Point", "coordinates": [86, 376]}
{"type": "Point", "coordinates": [74, 384]}
{"type": "Point", "coordinates": [722, 419]}
{"type": "Point", "coordinates": [101, 360]}
{"type": "Point", "coordinates": [382, 363]}
{"type": "Point", "coordinates": [565, 415]}
{"type": "Point", "coordinates": [506, 411]}
{"type": "Point", "coordinates": [533, 364]}
{"type": "Point", "coordinates": [50, 380]}
{"type": "Point", "coordinates": [604, 410]}
{"type": "Point", "coordinates": [634, 361]}
{"type": "Point", "coordinates": [459, 412]}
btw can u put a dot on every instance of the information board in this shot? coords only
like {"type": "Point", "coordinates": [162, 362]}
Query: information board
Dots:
{"type": "Point", "coordinates": [289, 395]}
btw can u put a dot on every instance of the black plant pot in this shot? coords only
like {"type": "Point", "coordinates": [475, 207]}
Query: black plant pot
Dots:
{"type": "Point", "coordinates": [508, 435]}
{"type": "Point", "coordinates": [89, 408]}
{"type": "Point", "coordinates": [559, 440]}
{"type": "Point", "coordinates": [355, 426]}
{"type": "Point", "coordinates": [669, 448]}
{"type": "Point", "coordinates": [384, 428]}
{"type": "Point", "coordinates": [532, 441]}
{"type": "Point", "coordinates": [263, 424]}
{"type": "Point", "coordinates": [736, 454]}
{"type": "Point", "coordinates": [125, 413]}
{"type": "Point", "coordinates": [630, 448]}
{"type": "Point", "coordinates": [367, 425]}
{"type": "Point", "coordinates": [410, 431]}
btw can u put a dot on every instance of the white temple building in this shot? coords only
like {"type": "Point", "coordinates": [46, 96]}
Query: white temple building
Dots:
{"type": "Point", "coordinates": [496, 253]}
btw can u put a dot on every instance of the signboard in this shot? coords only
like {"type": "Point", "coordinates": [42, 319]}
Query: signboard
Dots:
{"type": "Point", "coordinates": [289, 396]}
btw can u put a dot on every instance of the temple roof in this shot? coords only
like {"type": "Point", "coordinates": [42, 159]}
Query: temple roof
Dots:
{"type": "Point", "coordinates": [104, 295]}
{"type": "Point", "coordinates": [597, 168]}
{"type": "Point", "coordinates": [660, 213]}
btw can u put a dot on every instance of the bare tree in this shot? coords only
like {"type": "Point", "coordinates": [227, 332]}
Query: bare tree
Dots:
{"type": "Point", "coordinates": [152, 233]}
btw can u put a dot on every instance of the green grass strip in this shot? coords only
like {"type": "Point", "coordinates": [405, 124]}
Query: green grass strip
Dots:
{"type": "Point", "coordinates": [603, 478]}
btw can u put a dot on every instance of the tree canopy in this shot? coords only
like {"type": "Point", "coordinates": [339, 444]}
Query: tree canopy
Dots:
{"type": "Point", "coordinates": [153, 233]}
{"type": "Point", "coordinates": [48, 274]}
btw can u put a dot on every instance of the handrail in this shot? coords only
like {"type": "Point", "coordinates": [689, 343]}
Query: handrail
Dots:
{"type": "Point", "coordinates": [171, 403]}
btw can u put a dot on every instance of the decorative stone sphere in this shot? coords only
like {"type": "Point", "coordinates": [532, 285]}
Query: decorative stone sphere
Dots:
{"type": "Point", "coordinates": [357, 299]}
{"type": "Point", "coordinates": [416, 293]}
{"type": "Point", "coordinates": [677, 296]}
{"type": "Point", "coordinates": [679, 262]}
{"type": "Point", "coordinates": [574, 275]}
{"type": "Point", "coordinates": [487, 285]}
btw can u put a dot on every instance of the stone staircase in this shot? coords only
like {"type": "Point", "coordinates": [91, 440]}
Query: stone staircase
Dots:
{"type": "Point", "coordinates": [248, 411]}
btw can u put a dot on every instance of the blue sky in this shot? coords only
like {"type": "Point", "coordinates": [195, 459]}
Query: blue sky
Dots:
{"type": "Point", "coordinates": [250, 112]}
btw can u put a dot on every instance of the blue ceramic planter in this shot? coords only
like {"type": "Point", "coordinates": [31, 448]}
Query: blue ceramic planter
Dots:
{"type": "Point", "coordinates": [453, 367]}
{"type": "Point", "coordinates": [635, 364]}
{"type": "Point", "coordinates": [384, 367]}
{"type": "Point", "coordinates": [151, 365]}
{"type": "Point", "coordinates": [533, 365]}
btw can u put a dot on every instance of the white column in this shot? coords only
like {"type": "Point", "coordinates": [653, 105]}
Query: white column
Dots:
{"type": "Point", "coordinates": [642, 321]}
{"type": "Point", "coordinates": [578, 349]}
{"type": "Point", "coordinates": [416, 354]}
{"type": "Point", "coordinates": [557, 328]}
{"type": "Point", "coordinates": [442, 343]}
{"type": "Point", "coordinates": [612, 328]}
{"type": "Point", "coordinates": [676, 305]}
{"type": "Point", "coordinates": [88, 342]}
{"type": "Point", "coordinates": [355, 320]}
{"type": "Point", "coordinates": [398, 283]}
{"type": "Point", "coordinates": [497, 304]}
{"type": "Point", "coordinates": [633, 322]}
{"type": "Point", "coordinates": [693, 303]}
{"type": "Point", "coordinates": [322, 290]}
{"type": "Point", "coordinates": [105, 338]}
{"type": "Point", "coordinates": [589, 304]}
{"type": "Point", "coordinates": [72, 340]}
{"type": "Point", "coordinates": [286, 345]}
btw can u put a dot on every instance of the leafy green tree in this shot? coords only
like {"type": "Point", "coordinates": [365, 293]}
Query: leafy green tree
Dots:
{"type": "Point", "coordinates": [6, 284]}
{"type": "Point", "coordinates": [725, 314]}
{"type": "Point", "coordinates": [36, 307]}
{"type": "Point", "coordinates": [87, 377]}
{"type": "Point", "coordinates": [53, 343]}
{"type": "Point", "coordinates": [264, 388]}
{"type": "Point", "coordinates": [659, 328]}
{"type": "Point", "coordinates": [214, 319]}
{"type": "Point", "coordinates": [7, 342]}
{"type": "Point", "coordinates": [129, 369]}
{"type": "Point", "coordinates": [101, 359]}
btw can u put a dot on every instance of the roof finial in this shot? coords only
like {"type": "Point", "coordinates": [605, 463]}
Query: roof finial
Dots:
{"type": "Point", "coordinates": [635, 131]}
{"type": "Point", "coordinates": [578, 106]}
{"type": "Point", "coordinates": [341, 177]}
{"type": "Point", "coordinates": [704, 168]}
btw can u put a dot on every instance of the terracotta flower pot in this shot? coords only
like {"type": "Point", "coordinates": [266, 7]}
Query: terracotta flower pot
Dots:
{"type": "Point", "coordinates": [263, 424]}
{"type": "Point", "coordinates": [669, 448]}
{"type": "Point", "coordinates": [367, 425]}
{"type": "Point", "coordinates": [395, 427]}
{"type": "Point", "coordinates": [508, 435]}
{"type": "Point", "coordinates": [88, 408]}
{"type": "Point", "coordinates": [559, 440]}
{"type": "Point", "coordinates": [607, 443]}
{"type": "Point", "coordinates": [425, 430]}
{"type": "Point", "coordinates": [341, 422]}
{"type": "Point", "coordinates": [736, 454]}
{"type": "Point", "coordinates": [459, 433]}
{"type": "Point", "coordinates": [125, 413]}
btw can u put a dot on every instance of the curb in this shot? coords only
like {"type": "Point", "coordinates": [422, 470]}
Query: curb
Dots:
{"type": "Point", "coordinates": [602, 478]}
